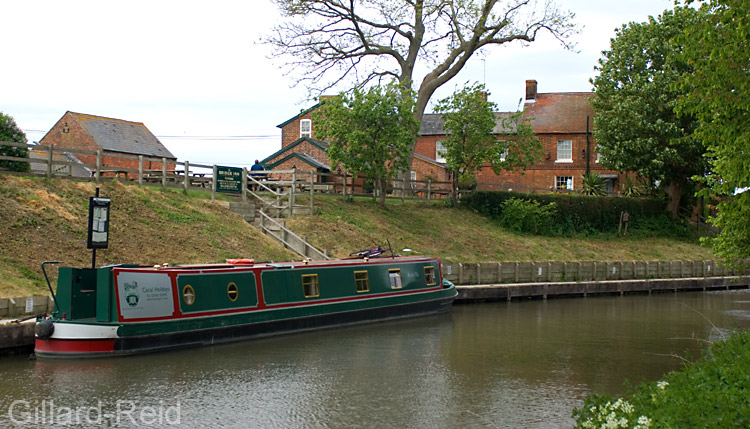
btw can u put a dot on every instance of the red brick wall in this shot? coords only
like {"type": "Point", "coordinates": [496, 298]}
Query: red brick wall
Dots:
{"type": "Point", "coordinates": [67, 133]}
{"type": "Point", "coordinates": [290, 132]}
{"type": "Point", "coordinates": [540, 176]}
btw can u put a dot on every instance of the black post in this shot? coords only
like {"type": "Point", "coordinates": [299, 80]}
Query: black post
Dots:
{"type": "Point", "coordinates": [93, 251]}
{"type": "Point", "coordinates": [588, 148]}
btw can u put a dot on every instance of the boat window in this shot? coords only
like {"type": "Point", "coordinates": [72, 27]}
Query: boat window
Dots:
{"type": "Point", "coordinates": [429, 276]}
{"type": "Point", "coordinates": [232, 292]}
{"type": "Point", "coordinates": [362, 281]}
{"type": "Point", "coordinates": [188, 295]}
{"type": "Point", "coordinates": [310, 285]}
{"type": "Point", "coordinates": [394, 275]}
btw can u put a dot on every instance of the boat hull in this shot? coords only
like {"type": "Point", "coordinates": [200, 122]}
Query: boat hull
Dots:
{"type": "Point", "coordinates": [102, 347]}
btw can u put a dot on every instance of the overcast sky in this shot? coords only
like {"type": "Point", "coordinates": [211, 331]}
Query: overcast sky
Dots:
{"type": "Point", "coordinates": [196, 75]}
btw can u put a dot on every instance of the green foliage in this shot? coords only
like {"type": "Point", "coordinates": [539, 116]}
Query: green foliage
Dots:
{"type": "Point", "coordinates": [10, 132]}
{"type": "Point", "coordinates": [712, 392]}
{"type": "Point", "coordinates": [717, 94]}
{"type": "Point", "coordinates": [470, 121]}
{"type": "Point", "coordinates": [593, 185]}
{"type": "Point", "coordinates": [578, 214]}
{"type": "Point", "coordinates": [636, 126]}
{"type": "Point", "coordinates": [371, 133]}
{"type": "Point", "coordinates": [528, 216]}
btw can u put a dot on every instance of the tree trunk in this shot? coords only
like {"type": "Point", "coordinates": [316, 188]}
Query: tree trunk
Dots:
{"type": "Point", "coordinates": [674, 191]}
{"type": "Point", "coordinates": [381, 187]}
{"type": "Point", "coordinates": [454, 189]}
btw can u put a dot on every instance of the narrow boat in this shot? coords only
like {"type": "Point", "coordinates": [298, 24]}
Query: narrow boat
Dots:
{"type": "Point", "coordinates": [127, 309]}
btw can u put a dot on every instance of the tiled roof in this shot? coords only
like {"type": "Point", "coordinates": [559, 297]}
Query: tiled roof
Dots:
{"type": "Point", "coordinates": [560, 112]}
{"type": "Point", "coordinates": [432, 124]}
{"type": "Point", "coordinates": [117, 135]}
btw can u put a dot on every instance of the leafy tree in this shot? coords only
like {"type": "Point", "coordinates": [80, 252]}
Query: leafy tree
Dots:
{"type": "Point", "coordinates": [370, 132]}
{"type": "Point", "coordinates": [470, 120]}
{"type": "Point", "coordinates": [636, 126]}
{"type": "Point", "coordinates": [717, 94]}
{"type": "Point", "coordinates": [332, 41]}
{"type": "Point", "coordinates": [10, 132]}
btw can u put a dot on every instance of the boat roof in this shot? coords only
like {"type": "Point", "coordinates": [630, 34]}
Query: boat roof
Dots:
{"type": "Point", "coordinates": [284, 265]}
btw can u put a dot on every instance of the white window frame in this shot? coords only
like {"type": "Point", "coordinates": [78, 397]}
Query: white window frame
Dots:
{"type": "Point", "coordinates": [569, 184]}
{"type": "Point", "coordinates": [394, 277]}
{"type": "Point", "coordinates": [305, 128]}
{"type": "Point", "coordinates": [439, 147]}
{"type": "Point", "coordinates": [562, 151]}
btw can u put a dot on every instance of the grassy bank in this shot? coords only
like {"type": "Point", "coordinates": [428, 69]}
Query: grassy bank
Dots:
{"type": "Point", "coordinates": [46, 220]}
{"type": "Point", "coordinates": [461, 235]}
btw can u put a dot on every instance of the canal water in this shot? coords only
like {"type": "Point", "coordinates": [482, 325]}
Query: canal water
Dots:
{"type": "Point", "coordinates": [520, 364]}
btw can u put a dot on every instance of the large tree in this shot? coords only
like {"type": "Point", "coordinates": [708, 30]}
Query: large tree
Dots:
{"type": "Point", "coordinates": [470, 122]}
{"type": "Point", "coordinates": [717, 93]}
{"type": "Point", "coordinates": [369, 132]}
{"type": "Point", "coordinates": [328, 42]}
{"type": "Point", "coordinates": [10, 132]}
{"type": "Point", "coordinates": [636, 126]}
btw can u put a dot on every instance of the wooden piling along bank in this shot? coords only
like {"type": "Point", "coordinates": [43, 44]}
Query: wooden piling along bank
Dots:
{"type": "Point", "coordinates": [514, 280]}
{"type": "Point", "coordinates": [534, 272]}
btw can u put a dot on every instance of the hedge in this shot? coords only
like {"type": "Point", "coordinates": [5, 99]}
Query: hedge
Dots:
{"type": "Point", "coordinates": [584, 214]}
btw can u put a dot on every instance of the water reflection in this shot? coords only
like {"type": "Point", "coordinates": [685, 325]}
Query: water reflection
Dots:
{"type": "Point", "coordinates": [498, 364]}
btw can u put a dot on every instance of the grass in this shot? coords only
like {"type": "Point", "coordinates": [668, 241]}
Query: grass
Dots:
{"type": "Point", "coordinates": [460, 235]}
{"type": "Point", "coordinates": [44, 219]}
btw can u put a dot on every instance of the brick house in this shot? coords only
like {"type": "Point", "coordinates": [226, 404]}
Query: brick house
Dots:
{"type": "Point", "coordinates": [299, 149]}
{"type": "Point", "coordinates": [113, 137]}
{"type": "Point", "coordinates": [561, 120]}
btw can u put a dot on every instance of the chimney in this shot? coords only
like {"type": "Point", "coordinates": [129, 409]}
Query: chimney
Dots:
{"type": "Point", "coordinates": [483, 95]}
{"type": "Point", "coordinates": [530, 91]}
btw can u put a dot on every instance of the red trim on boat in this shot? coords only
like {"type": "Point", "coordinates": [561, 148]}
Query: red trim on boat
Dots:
{"type": "Point", "coordinates": [74, 346]}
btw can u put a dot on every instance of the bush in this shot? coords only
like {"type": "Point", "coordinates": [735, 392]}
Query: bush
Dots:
{"type": "Point", "coordinates": [10, 132]}
{"type": "Point", "coordinates": [580, 214]}
{"type": "Point", "coordinates": [528, 216]}
{"type": "Point", "coordinates": [712, 392]}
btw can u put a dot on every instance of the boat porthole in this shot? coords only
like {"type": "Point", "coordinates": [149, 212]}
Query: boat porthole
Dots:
{"type": "Point", "coordinates": [188, 295]}
{"type": "Point", "coordinates": [232, 292]}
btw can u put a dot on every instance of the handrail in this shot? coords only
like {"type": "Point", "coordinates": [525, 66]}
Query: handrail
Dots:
{"type": "Point", "coordinates": [308, 248]}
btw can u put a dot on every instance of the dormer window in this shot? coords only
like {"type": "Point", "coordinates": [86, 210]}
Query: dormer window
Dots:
{"type": "Point", "coordinates": [305, 128]}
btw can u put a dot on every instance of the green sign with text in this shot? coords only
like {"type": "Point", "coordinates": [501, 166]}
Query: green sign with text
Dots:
{"type": "Point", "coordinates": [229, 180]}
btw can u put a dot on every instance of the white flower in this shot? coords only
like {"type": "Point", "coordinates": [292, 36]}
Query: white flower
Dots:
{"type": "Point", "coordinates": [662, 385]}
{"type": "Point", "coordinates": [643, 423]}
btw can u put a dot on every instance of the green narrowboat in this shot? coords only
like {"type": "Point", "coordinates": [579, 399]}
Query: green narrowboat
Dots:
{"type": "Point", "coordinates": [126, 309]}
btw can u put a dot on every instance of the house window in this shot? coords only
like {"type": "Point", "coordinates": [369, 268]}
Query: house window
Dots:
{"type": "Point", "coordinates": [504, 154]}
{"type": "Point", "coordinates": [564, 151]}
{"type": "Point", "coordinates": [598, 157]}
{"type": "Point", "coordinates": [439, 151]}
{"type": "Point", "coordinates": [361, 281]}
{"type": "Point", "coordinates": [429, 276]}
{"type": "Point", "coordinates": [413, 175]}
{"type": "Point", "coordinates": [564, 183]}
{"type": "Point", "coordinates": [310, 285]}
{"type": "Point", "coordinates": [305, 128]}
{"type": "Point", "coordinates": [394, 275]}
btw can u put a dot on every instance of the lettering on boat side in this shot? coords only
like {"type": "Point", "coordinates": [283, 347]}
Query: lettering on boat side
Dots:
{"type": "Point", "coordinates": [144, 295]}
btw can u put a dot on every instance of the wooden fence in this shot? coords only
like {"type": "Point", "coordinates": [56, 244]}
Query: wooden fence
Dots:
{"type": "Point", "coordinates": [52, 161]}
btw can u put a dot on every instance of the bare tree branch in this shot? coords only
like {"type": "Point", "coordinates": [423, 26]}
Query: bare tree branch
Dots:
{"type": "Point", "coordinates": [330, 43]}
